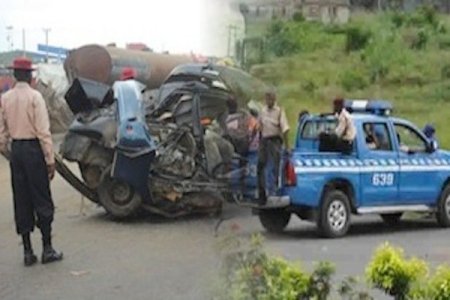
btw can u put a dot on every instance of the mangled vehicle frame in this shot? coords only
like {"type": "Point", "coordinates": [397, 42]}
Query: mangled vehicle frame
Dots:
{"type": "Point", "coordinates": [167, 154]}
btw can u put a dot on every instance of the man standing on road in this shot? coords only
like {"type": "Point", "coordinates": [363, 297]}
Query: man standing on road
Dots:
{"type": "Point", "coordinates": [25, 138]}
{"type": "Point", "coordinates": [274, 129]}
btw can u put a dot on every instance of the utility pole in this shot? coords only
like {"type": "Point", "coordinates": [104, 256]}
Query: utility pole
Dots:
{"type": "Point", "coordinates": [46, 31]}
{"type": "Point", "coordinates": [229, 40]}
{"type": "Point", "coordinates": [10, 38]}
{"type": "Point", "coordinates": [232, 38]}
{"type": "Point", "coordinates": [23, 42]}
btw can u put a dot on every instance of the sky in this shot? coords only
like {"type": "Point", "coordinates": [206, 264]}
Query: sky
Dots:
{"type": "Point", "coordinates": [178, 26]}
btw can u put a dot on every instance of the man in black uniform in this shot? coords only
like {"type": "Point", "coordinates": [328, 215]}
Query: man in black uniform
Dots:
{"type": "Point", "coordinates": [25, 138]}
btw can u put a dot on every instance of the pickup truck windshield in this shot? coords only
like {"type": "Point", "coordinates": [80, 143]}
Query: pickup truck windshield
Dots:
{"type": "Point", "coordinates": [409, 139]}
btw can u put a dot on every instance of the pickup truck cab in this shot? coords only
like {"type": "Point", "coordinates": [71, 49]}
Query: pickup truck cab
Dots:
{"type": "Point", "coordinates": [392, 169]}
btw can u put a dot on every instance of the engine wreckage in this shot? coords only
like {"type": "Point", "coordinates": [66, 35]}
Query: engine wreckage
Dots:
{"type": "Point", "coordinates": [163, 151]}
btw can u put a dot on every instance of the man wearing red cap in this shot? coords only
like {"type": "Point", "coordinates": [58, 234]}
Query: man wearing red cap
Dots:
{"type": "Point", "coordinates": [127, 73]}
{"type": "Point", "coordinates": [25, 138]}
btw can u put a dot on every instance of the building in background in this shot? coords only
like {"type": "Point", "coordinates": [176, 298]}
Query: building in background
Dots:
{"type": "Point", "coordinates": [325, 11]}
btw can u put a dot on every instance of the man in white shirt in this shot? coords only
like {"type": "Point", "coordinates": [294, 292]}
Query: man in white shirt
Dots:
{"type": "Point", "coordinates": [345, 130]}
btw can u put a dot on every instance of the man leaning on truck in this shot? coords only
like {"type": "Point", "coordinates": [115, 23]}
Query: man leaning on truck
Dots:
{"type": "Point", "coordinates": [345, 130]}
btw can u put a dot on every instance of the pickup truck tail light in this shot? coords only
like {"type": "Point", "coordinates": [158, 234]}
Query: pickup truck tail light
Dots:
{"type": "Point", "coordinates": [289, 173]}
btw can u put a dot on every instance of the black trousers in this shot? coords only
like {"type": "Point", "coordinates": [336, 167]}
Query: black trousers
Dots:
{"type": "Point", "coordinates": [269, 149]}
{"type": "Point", "coordinates": [33, 203]}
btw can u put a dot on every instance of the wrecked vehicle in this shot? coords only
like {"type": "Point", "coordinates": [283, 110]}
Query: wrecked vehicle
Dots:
{"type": "Point", "coordinates": [168, 157]}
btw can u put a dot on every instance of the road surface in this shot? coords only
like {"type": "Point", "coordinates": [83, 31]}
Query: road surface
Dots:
{"type": "Point", "coordinates": [153, 258]}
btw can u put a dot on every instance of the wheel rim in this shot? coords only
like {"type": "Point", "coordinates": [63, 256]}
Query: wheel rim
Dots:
{"type": "Point", "coordinates": [121, 193]}
{"type": "Point", "coordinates": [447, 206]}
{"type": "Point", "coordinates": [337, 215]}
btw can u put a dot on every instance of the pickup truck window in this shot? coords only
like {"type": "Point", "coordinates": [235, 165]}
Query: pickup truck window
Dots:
{"type": "Point", "coordinates": [377, 136]}
{"type": "Point", "coordinates": [409, 139]}
{"type": "Point", "coordinates": [313, 128]}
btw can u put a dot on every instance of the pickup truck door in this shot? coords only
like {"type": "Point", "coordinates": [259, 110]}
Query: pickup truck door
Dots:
{"type": "Point", "coordinates": [380, 168]}
{"type": "Point", "coordinates": [419, 182]}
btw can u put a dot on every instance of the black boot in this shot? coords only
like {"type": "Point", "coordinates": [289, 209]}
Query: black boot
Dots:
{"type": "Point", "coordinates": [49, 254]}
{"type": "Point", "coordinates": [29, 258]}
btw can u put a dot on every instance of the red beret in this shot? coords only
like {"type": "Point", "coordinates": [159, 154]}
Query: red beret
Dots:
{"type": "Point", "coordinates": [22, 63]}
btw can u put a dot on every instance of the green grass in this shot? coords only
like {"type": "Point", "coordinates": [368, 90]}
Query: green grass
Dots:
{"type": "Point", "coordinates": [386, 68]}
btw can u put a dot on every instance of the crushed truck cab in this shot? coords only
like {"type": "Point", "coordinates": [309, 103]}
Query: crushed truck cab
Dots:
{"type": "Point", "coordinates": [392, 169]}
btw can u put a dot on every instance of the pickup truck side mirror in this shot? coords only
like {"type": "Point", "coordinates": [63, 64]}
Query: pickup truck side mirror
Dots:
{"type": "Point", "coordinates": [432, 146]}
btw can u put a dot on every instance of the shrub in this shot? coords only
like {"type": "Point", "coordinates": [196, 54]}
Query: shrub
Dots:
{"type": "Point", "coordinates": [422, 39]}
{"type": "Point", "coordinates": [392, 273]}
{"type": "Point", "coordinates": [347, 290]}
{"type": "Point", "coordinates": [351, 80]}
{"type": "Point", "coordinates": [445, 71]}
{"type": "Point", "coordinates": [320, 281]}
{"type": "Point", "coordinates": [384, 53]}
{"type": "Point", "coordinates": [398, 19]}
{"type": "Point", "coordinates": [249, 273]}
{"type": "Point", "coordinates": [428, 14]}
{"type": "Point", "coordinates": [356, 38]}
{"type": "Point", "coordinates": [298, 17]}
{"type": "Point", "coordinates": [280, 39]}
{"type": "Point", "coordinates": [439, 285]}
{"type": "Point", "coordinates": [425, 15]}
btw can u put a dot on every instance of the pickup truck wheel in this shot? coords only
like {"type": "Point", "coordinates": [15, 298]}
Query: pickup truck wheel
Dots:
{"type": "Point", "coordinates": [443, 208]}
{"type": "Point", "coordinates": [391, 219]}
{"type": "Point", "coordinates": [274, 220]}
{"type": "Point", "coordinates": [334, 214]}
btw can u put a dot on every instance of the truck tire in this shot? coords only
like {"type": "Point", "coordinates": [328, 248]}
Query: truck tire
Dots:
{"type": "Point", "coordinates": [274, 220]}
{"type": "Point", "coordinates": [443, 208]}
{"type": "Point", "coordinates": [118, 198]}
{"type": "Point", "coordinates": [334, 215]}
{"type": "Point", "coordinates": [391, 219]}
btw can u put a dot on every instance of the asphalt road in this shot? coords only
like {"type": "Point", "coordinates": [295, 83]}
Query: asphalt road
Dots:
{"type": "Point", "coordinates": [153, 258]}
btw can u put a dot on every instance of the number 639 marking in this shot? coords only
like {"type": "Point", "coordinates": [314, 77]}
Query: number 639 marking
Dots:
{"type": "Point", "coordinates": [383, 179]}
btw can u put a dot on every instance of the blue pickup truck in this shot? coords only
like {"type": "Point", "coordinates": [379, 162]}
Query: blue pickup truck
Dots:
{"type": "Point", "coordinates": [392, 169]}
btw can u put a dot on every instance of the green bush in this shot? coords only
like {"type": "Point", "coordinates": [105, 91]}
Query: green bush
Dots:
{"type": "Point", "coordinates": [384, 53]}
{"type": "Point", "coordinates": [398, 19]}
{"type": "Point", "coordinates": [392, 273]}
{"type": "Point", "coordinates": [439, 285]}
{"type": "Point", "coordinates": [320, 281]}
{"type": "Point", "coordinates": [356, 38]}
{"type": "Point", "coordinates": [352, 80]}
{"type": "Point", "coordinates": [422, 39]}
{"type": "Point", "coordinates": [425, 15]}
{"type": "Point", "coordinates": [445, 71]}
{"type": "Point", "coordinates": [280, 39]}
{"type": "Point", "coordinates": [298, 17]}
{"type": "Point", "coordinates": [249, 273]}
{"type": "Point", "coordinates": [347, 289]}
